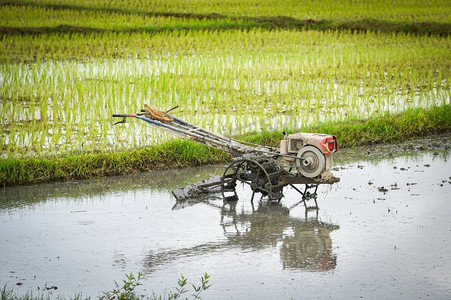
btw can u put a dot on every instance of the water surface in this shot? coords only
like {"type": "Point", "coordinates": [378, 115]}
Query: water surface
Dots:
{"type": "Point", "coordinates": [384, 231]}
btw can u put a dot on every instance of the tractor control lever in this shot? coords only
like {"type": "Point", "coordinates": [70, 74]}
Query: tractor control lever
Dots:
{"type": "Point", "coordinates": [119, 116]}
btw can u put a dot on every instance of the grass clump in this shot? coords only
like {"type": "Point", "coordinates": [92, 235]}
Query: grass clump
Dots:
{"type": "Point", "coordinates": [172, 154]}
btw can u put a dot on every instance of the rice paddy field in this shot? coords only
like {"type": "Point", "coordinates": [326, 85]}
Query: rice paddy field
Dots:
{"type": "Point", "coordinates": [233, 67]}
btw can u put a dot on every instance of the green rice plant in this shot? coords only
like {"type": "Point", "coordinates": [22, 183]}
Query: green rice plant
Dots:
{"type": "Point", "coordinates": [311, 76]}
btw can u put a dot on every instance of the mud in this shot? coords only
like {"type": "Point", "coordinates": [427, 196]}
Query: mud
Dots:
{"type": "Point", "coordinates": [383, 231]}
{"type": "Point", "coordinates": [433, 143]}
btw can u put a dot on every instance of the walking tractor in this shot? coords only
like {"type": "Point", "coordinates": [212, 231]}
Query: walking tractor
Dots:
{"type": "Point", "coordinates": [302, 159]}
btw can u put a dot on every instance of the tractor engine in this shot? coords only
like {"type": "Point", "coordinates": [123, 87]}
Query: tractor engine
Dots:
{"type": "Point", "coordinates": [314, 152]}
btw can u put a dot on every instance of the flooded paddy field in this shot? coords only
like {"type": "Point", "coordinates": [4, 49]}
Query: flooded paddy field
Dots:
{"type": "Point", "coordinates": [383, 231]}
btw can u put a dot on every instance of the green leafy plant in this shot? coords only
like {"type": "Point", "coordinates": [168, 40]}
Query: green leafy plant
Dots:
{"type": "Point", "coordinates": [127, 291]}
{"type": "Point", "coordinates": [204, 285]}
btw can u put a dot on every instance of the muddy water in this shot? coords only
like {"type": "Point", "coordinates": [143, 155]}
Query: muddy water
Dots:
{"type": "Point", "coordinates": [383, 232]}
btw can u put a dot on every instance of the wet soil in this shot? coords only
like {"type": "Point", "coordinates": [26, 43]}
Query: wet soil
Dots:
{"type": "Point", "coordinates": [434, 143]}
{"type": "Point", "coordinates": [383, 231]}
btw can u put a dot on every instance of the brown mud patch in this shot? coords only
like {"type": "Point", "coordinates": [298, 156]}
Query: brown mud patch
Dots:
{"type": "Point", "coordinates": [433, 143]}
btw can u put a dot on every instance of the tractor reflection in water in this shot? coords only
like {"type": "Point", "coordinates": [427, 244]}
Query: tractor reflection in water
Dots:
{"type": "Point", "coordinates": [304, 243]}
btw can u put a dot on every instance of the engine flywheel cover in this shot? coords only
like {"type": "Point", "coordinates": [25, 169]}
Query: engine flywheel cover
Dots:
{"type": "Point", "coordinates": [313, 162]}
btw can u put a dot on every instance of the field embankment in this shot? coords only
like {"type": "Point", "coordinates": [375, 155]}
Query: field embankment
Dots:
{"type": "Point", "coordinates": [83, 17]}
{"type": "Point", "coordinates": [188, 21]}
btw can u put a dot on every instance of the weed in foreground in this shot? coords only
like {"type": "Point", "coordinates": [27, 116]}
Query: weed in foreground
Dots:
{"type": "Point", "coordinates": [124, 291]}
{"type": "Point", "coordinates": [128, 290]}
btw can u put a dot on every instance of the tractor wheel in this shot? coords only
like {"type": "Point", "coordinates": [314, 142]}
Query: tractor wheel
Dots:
{"type": "Point", "coordinates": [261, 174]}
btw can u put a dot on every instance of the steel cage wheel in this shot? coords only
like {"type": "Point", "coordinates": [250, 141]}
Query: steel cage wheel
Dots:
{"type": "Point", "coordinates": [228, 180]}
{"type": "Point", "coordinates": [250, 172]}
